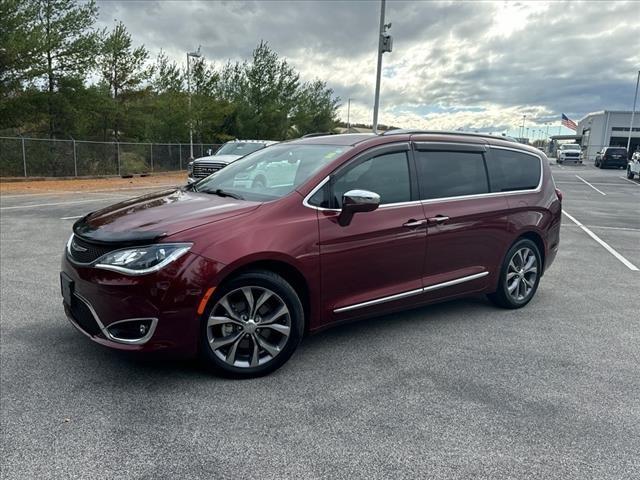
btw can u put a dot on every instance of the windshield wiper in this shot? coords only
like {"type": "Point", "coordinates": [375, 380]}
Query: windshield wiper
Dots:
{"type": "Point", "coordinates": [223, 193]}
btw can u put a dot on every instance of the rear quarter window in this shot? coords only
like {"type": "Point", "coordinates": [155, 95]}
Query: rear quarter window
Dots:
{"type": "Point", "coordinates": [512, 171]}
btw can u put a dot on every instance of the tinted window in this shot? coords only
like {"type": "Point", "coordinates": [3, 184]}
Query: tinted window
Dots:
{"type": "Point", "coordinates": [510, 171]}
{"type": "Point", "coordinates": [451, 174]}
{"type": "Point", "coordinates": [387, 175]}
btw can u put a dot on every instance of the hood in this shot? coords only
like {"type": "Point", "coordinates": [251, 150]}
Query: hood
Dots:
{"type": "Point", "coordinates": [217, 158]}
{"type": "Point", "coordinates": [156, 215]}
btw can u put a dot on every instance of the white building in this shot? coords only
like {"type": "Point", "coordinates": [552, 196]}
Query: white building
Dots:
{"type": "Point", "coordinates": [607, 129]}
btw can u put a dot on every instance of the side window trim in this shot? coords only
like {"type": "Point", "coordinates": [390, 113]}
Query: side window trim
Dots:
{"type": "Point", "coordinates": [524, 152]}
{"type": "Point", "coordinates": [326, 184]}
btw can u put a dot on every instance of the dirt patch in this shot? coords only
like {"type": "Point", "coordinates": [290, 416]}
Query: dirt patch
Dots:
{"type": "Point", "coordinates": [93, 184]}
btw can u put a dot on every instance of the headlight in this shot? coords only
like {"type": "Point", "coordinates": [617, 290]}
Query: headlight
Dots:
{"type": "Point", "coordinates": [190, 167]}
{"type": "Point", "coordinates": [142, 260]}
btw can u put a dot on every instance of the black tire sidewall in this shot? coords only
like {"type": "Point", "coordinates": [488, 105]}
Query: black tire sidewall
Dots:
{"type": "Point", "coordinates": [275, 283]}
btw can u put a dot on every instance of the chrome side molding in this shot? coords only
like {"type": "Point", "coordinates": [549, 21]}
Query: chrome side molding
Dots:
{"type": "Point", "coordinates": [410, 293]}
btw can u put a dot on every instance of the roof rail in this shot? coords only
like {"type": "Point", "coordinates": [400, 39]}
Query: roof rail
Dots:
{"type": "Point", "coordinates": [405, 131]}
{"type": "Point", "coordinates": [317, 134]}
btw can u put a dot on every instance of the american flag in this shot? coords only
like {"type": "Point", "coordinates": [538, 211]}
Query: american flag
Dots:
{"type": "Point", "coordinates": [567, 122]}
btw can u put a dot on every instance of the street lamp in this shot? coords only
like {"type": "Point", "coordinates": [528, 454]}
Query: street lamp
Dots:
{"type": "Point", "coordinates": [633, 112]}
{"type": "Point", "coordinates": [524, 117]}
{"type": "Point", "coordinates": [385, 44]}
{"type": "Point", "coordinates": [195, 54]}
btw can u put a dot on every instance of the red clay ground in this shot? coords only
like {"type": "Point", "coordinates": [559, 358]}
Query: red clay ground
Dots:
{"type": "Point", "coordinates": [93, 184]}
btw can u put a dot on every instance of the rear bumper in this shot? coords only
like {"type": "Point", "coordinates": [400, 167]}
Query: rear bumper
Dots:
{"type": "Point", "coordinates": [611, 162]}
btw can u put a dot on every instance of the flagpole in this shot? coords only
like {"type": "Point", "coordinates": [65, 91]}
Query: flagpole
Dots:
{"type": "Point", "coordinates": [633, 112]}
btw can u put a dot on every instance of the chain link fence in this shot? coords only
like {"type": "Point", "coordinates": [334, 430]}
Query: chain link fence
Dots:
{"type": "Point", "coordinates": [37, 157]}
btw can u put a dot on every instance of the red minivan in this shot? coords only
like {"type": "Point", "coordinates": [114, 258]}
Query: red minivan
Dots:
{"type": "Point", "coordinates": [342, 227]}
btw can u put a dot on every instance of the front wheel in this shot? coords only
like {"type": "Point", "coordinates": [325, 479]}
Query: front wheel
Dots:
{"type": "Point", "coordinates": [630, 174]}
{"type": "Point", "coordinates": [519, 275]}
{"type": "Point", "coordinates": [252, 326]}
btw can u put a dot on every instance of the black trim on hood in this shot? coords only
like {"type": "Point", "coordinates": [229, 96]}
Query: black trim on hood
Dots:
{"type": "Point", "coordinates": [83, 229]}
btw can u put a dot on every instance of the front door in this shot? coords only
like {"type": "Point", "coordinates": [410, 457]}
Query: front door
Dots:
{"type": "Point", "coordinates": [376, 259]}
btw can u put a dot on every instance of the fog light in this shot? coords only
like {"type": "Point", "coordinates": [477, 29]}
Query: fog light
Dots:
{"type": "Point", "coordinates": [143, 329]}
{"type": "Point", "coordinates": [132, 331]}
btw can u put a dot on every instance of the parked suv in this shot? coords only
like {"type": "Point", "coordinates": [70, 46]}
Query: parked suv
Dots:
{"type": "Point", "coordinates": [344, 227]}
{"type": "Point", "coordinates": [612, 157]}
{"type": "Point", "coordinates": [569, 152]}
{"type": "Point", "coordinates": [633, 167]}
{"type": "Point", "coordinates": [229, 152]}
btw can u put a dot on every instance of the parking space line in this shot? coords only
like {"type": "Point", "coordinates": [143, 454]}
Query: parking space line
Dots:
{"type": "Point", "coordinates": [606, 246]}
{"type": "Point", "coordinates": [14, 207]}
{"type": "Point", "coordinates": [596, 189]}
{"type": "Point", "coordinates": [631, 181]}
{"type": "Point", "coordinates": [626, 229]}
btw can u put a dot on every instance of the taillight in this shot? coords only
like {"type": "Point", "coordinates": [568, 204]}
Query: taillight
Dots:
{"type": "Point", "coordinates": [559, 194]}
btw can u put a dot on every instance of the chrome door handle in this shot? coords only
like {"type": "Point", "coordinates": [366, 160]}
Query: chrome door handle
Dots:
{"type": "Point", "coordinates": [438, 219]}
{"type": "Point", "coordinates": [415, 223]}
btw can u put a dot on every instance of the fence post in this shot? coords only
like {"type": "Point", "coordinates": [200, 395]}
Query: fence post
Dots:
{"type": "Point", "coordinates": [151, 148]}
{"type": "Point", "coordinates": [75, 157]}
{"type": "Point", "coordinates": [118, 156]}
{"type": "Point", "coordinates": [24, 157]}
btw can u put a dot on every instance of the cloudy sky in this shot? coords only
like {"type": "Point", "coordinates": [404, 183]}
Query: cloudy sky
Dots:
{"type": "Point", "coordinates": [472, 65]}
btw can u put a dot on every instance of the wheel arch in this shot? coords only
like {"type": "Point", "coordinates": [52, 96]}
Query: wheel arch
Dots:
{"type": "Point", "coordinates": [286, 270]}
{"type": "Point", "coordinates": [536, 238]}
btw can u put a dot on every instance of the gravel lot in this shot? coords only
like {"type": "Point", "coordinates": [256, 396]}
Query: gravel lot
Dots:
{"type": "Point", "coordinates": [456, 390]}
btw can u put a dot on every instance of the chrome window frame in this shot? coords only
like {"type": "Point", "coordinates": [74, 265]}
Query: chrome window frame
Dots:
{"type": "Point", "coordinates": [538, 188]}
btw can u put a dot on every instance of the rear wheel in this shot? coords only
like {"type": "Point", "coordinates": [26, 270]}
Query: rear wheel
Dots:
{"type": "Point", "coordinates": [630, 174]}
{"type": "Point", "coordinates": [519, 275]}
{"type": "Point", "coordinates": [252, 326]}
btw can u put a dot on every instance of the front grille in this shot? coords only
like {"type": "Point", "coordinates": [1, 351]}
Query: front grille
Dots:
{"type": "Point", "coordinates": [572, 154]}
{"type": "Point", "coordinates": [83, 316]}
{"type": "Point", "coordinates": [201, 170]}
{"type": "Point", "coordinates": [85, 252]}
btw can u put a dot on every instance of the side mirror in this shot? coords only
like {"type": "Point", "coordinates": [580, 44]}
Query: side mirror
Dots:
{"type": "Point", "coordinates": [357, 201]}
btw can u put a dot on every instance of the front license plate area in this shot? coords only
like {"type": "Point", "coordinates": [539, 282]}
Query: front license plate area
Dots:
{"type": "Point", "coordinates": [66, 287]}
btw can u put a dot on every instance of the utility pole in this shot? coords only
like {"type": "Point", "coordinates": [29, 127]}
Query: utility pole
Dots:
{"type": "Point", "coordinates": [633, 113]}
{"type": "Point", "coordinates": [385, 44]}
{"type": "Point", "coordinates": [195, 54]}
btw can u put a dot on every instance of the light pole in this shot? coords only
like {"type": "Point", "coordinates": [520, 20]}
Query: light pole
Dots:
{"type": "Point", "coordinates": [385, 44]}
{"type": "Point", "coordinates": [195, 54]}
{"type": "Point", "coordinates": [349, 115]}
{"type": "Point", "coordinates": [524, 117]}
{"type": "Point", "coordinates": [633, 112]}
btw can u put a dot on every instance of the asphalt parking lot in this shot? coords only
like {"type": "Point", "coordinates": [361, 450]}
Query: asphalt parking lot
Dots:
{"type": "Point", "coordinates": [456, 390]}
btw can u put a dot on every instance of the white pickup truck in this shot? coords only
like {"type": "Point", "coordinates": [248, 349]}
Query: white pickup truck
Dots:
{"type": "Point", "coordinates": [569, 152]}
{"type": "Point", "coordinates": [633, 167]}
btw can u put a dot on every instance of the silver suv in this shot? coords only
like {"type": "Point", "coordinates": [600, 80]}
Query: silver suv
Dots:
{"type": "Point", "coordinates": [229, 152]}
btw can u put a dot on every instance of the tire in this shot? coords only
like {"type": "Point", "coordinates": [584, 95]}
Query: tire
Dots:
{"type": "Point", "coordinates": [630, 174]}
{"type": "Point", "coordinates": [510, 271]}
{"type": "Point", "coordinates": [244, 348]}
{"type": "Point", "coordinates": [597, 164]}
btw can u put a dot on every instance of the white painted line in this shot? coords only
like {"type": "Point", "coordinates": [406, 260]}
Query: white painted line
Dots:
{"type": "Point", "coordinates": [599, 191]}
{"type": "Point", "coordinates": [606, 246]}
{"type": "Point", "coordinates": [631, 181]}
{"type": "Point", "coordinates": [55, 204]}
{"type": "Point", "coordinates": [626, 229]}
{"type": "Point", "coordinates": [594, 183]}
{"type": "Point", "coordinates": [71, 218]}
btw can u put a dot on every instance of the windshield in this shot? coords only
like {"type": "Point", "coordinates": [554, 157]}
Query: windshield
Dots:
{"type": "Point", "coordinates": [239, 148]}
{"type": "Point", "coordinates": [270, 173]}
{"type": "Point", "coordinates": [571, 146]}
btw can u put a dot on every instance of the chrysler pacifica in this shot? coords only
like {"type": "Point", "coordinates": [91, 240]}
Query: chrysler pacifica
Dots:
{"type": "Point", "coordinates": [350, 226]}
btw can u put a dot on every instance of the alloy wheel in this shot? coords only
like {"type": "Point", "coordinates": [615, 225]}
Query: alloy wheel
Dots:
{"type": "Point", "coordinates": [248, 327]}
{"type": "Point", "coordinates": [522, 274]}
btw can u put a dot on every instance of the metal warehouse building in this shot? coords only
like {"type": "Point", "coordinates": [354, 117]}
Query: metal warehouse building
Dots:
{"type": "Point", "coordinates": [607, 129]}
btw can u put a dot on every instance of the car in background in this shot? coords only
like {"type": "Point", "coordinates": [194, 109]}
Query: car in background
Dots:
{"type": "Point", "coordinates": [569, 152]}
{"type": "Point", "coordinates": [611, 157]}
{"type": "Point", "coordinates": [633, 167]}
{"type": "Point", "coordinates": [347, 227]}
{"type": "Point", "coordinates": [229, 152]}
